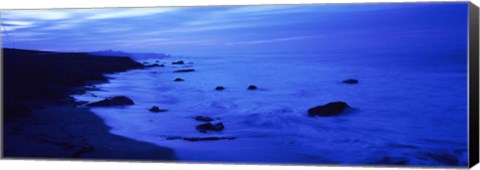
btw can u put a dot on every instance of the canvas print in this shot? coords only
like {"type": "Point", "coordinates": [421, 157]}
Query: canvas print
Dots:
{"type": "Point", "coordinates": [382, 84]}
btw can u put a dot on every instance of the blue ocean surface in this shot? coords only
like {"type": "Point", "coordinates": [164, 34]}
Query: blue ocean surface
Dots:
{"type": "Point", "coordinates": [409, 107]}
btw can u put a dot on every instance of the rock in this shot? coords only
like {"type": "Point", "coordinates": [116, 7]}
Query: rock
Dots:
{"type": "Point", "coordinates": [194, 139]}
{"type": "Point", "coordinates": [252, 87]}
{"type": "Point", "coordinates": [219, 88]}
{"type": "Point", "coordinates": [330, 109]}
{"type": "Point", "coordinates": [173, 137]}
{"type": "Point", "coordinates": [350, 81]}
{"type": "Point", "coordinates": [92, 95]}
{"type": "Point", "coordinates": [184, 70]}
{"type": "Point", "coordinates": [209, 126]}
{"type": "Point", "coordinates": [203, 118]}
{"type": "Point", "coordinates": [178, 79]}
{"type": "Point", "coordinates": [154, 65]}
{"type": "Point", "coordinates": [114, 101]}
{"type": "Point", "coordinates": [156, 109]}
{"type": "Point", "coordinates": [178, 62]}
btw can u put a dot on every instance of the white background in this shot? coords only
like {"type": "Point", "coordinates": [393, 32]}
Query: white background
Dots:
{"type": "Point", "coordinates": [82, 165]}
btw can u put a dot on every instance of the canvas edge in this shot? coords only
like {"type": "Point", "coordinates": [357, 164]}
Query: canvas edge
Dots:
{"type": "Point", "coordinates": [473, 86]}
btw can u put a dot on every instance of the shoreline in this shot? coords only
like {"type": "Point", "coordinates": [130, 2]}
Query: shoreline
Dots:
{"type": "Point", "coordinates": [80, 135]}
{"type": "Point", "coordinates": [42, 121]}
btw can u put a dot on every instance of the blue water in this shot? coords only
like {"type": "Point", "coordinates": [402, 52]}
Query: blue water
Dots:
{"type": "Point", "coordinates": [410, 107]}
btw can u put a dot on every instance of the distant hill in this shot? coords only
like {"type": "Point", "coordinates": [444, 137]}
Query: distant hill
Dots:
{"type": "Point", "coordinates": [30, 75]}
{"type": "Point", "coordinates": [135, 56]}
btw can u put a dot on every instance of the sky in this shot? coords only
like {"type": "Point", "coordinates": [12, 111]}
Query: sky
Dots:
{"type": "Point", "coordinates": [236, 29]}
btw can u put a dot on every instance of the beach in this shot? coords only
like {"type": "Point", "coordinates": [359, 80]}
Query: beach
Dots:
{"type": "Point", "coordinates": [42, 121]}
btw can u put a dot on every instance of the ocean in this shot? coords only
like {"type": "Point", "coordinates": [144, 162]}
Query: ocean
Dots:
{"type": "Point", "coordinates": [409, 107]}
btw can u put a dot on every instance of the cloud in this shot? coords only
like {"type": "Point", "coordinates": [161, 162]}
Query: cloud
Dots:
{"type": "Point", "coordinates": [64, 25]}
{"type": "Point", "coordinates": [197, 29]}
{"type": "Point", "coordinates": [37, 14]}
{"type": "Point", "coordinates": [266, 9]}
{"type": "Point", "coordinates": [15, 24]}
{"type": "Point", "coordinates": [70, 18]}
{"type": "Point", "coordinates": [273, 40]}
{"type": "Point", "coordinates": [132, 12]}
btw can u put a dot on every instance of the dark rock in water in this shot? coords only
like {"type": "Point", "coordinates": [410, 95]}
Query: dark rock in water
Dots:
{"type": "Point", "coordinates": [155, 65]}
{"type": "Point", "coordinates": [114, 101]}
{"type": "Point", "coordinates": [184, 70]}
{"type": "Point", "coordinates": [219, 88]}
{"type": "Point", "coordinates": [178, 62]}
{"type": "Point", "coordinates": [178, 79]}
{"type": "Point", "coordinates": [173, 137]}
{"type": "Point", "coordinates": [156, 109]}
{"type": "Point", "coordinates": [203, 118]}
{"type": "Point", "coordinates": [350, 81]}
{"type": "Point", "coordinates": [195, 139]}
{"type": "Point", "coordinates": [252, 87]}
{"type": "Point", "coordinates": [209, 126]}
{"type": "Point", "coordinates": [330, 109]}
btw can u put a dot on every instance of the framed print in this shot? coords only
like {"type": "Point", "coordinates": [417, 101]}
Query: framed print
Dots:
{"type": "Point", "coordinates": [356, 84]}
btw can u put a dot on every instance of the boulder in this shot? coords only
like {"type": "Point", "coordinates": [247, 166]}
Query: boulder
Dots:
{"type": "Point", "coordinates": [203, 118]}
{"type": "Point", "coordinates": [178, 62]}
{"type": "Point", "coordinates": [178, 79]}
{"type": "Point", "coordinates": [219, 88]}
{"type": "Point", "coordinates": [252, 87]}
{"type": "Point", "coordinates": [154, 65]}
{"type": "Point", "coordinates": [210, 127]}
{"type": "Point", "coordinates": [156, 109]}
{"type": "Point", "coordinates": [350, 81]}
{"type": "Point", "coordinates": [184, 70]}
{"type": "Point", "coordinates": [195, 139]}
{"type": "Point", "coordinates": [113, 101]}
{"type": "Point", "coordinates": [330, 109]}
